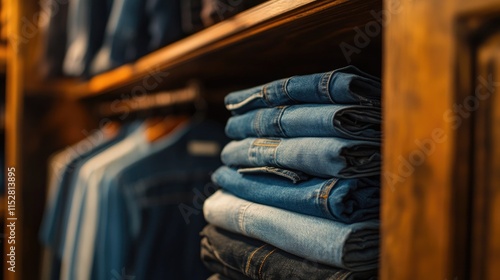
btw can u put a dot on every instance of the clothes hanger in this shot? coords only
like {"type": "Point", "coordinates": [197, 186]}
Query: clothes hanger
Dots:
{"type": "Point", "coordinates": [183, 106]}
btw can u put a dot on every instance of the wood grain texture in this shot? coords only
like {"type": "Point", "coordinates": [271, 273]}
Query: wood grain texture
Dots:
{"type": "Point", "coordinates": [13, 122]}
{"type": "Point", "coordinates": [417, 197]}
{"type": "Point", "coordinates": [272, 40]}
{"type": "Point", "coordinates": [486, 192]}
{"type": "Point", "coordinates": [429, 78]}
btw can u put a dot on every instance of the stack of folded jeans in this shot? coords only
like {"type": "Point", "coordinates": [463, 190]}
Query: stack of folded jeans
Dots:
{"type": "Point", "coordinates": [300, 193]}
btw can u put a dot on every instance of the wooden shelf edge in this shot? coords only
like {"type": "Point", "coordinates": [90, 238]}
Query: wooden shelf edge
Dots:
{"type": "Point", "coordinates": [265, 17]}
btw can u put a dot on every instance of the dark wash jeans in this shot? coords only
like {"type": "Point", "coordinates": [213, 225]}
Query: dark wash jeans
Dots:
{"type": "Point", "coordinates": [239, 257]}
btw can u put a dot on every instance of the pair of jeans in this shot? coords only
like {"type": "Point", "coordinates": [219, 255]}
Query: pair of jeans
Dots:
{"type": "Point", "coordinates": [308, 120]}
{"type": "Point", "coordinates": [347, 85]}
{"type": "Point", "coordinates": [350, 246]}
{"type": "Point", "coordinates": [231, 255]}
{"type": "Point", "coordinates": [321, 157]}
{"type": "Point", "coordinates": [342, 200]}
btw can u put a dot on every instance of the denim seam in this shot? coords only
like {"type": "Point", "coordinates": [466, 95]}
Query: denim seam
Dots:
{"type": "Point", "coordinates": [247, 268]}
{"type": "Point", "coordinates": [293, 177]}
{"type": "Point", "coordinates": [345, 274]}
{"type": "Point", "coordinates": [279, 118]}
{"type": "Point", "coordinates": [323, 197]}
{"type": "Point", "coordinates": [247, 100]}
{"type": "Point", "coordinates": [264, 261]}
{"type": "Point", "coordinates": [221, 260]}
{"type": "Point", "coordinates": [241, 217]}
{"type": "Point", "coordinates": [328, 77]}
{"type": "Point", "coordinates": [256, 124]}
{"type": "Point", "coordinates": [265, 95]}
{"type": "Point", "coordinates": [275, 157]}
{"type": "Point", "coordinates": [336, 275]}
{"type": "Point", "coordinates": [284, 86]}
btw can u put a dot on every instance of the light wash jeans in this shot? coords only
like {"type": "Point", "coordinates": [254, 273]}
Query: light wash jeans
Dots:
{"type": "Point", "coordinates": [353, 247]}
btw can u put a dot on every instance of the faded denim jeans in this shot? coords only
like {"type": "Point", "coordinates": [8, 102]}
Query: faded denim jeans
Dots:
{"type": "Point", "coordinates": [353, 247]}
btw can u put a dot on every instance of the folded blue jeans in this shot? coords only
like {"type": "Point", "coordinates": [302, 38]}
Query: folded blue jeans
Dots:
{"type": "Point", "coordinates": [240, 257]}
{"type": "Point", "coordinates": [353, 247]}
{"type": "Point", "coordinates": [321, 157]}
{"type": "Point", "coordinates": [347, 85]}
{"type": "Point", "coordinates": [342, 200]}
{"type": "Point", "coordinates": [308, 120]}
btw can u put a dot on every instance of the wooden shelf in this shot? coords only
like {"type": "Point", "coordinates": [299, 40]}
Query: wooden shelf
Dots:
{"type": "Point", "coordinates": [275, 38]}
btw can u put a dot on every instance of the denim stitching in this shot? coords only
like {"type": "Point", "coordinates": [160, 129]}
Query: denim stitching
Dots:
{"type": "Point", "coordinates": [323, 196]}
{"type": "Point", "coordinates": [272, 170]}
{"type": "Point", "coordinates": [241, 217]}
{"type": "Point", "coordinates": [284, 86]}
{"type": "Point", "coordinates": [256, 124]}
{"type": "Point", "coordinates": [217, 256]}
{"type": "Point", "coordinates": [244, 102]}
{"type": "Point", "coordinates": [294, 177]}
{"type": "Point", "coordinates": [263, 142]}
{"type": "Point", "coordinates": [275, 158]}
{"type": "Point", "coordinates": [264, 261]}
{"type": "Point", "coordinates": [325, 87]}
{"type": "Point", "coordinates": [336, 275]}
{"type": "Point", "coordinates": [345, 274]}
{"type": "Point", "coordinates": [250, 258]}
{"type": "Point", "coordinates": [279, 117]}
{"type": "Point", "coordinates": [265, 95]}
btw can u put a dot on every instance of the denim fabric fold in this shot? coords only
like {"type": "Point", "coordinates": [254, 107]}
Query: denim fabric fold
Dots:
{"type": "Point", "coordinates": [347, 85]}
{"type": "Point", "coordinates": [321, 157]}
{"type": "Point", "coordinates": [342, 200]}
{"type": "Point", "coordinates": [353, 247]}
{"type": "Point", "coordinates": [308, 120]}
{"type": "Point", "coordinates": [228, 254]}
